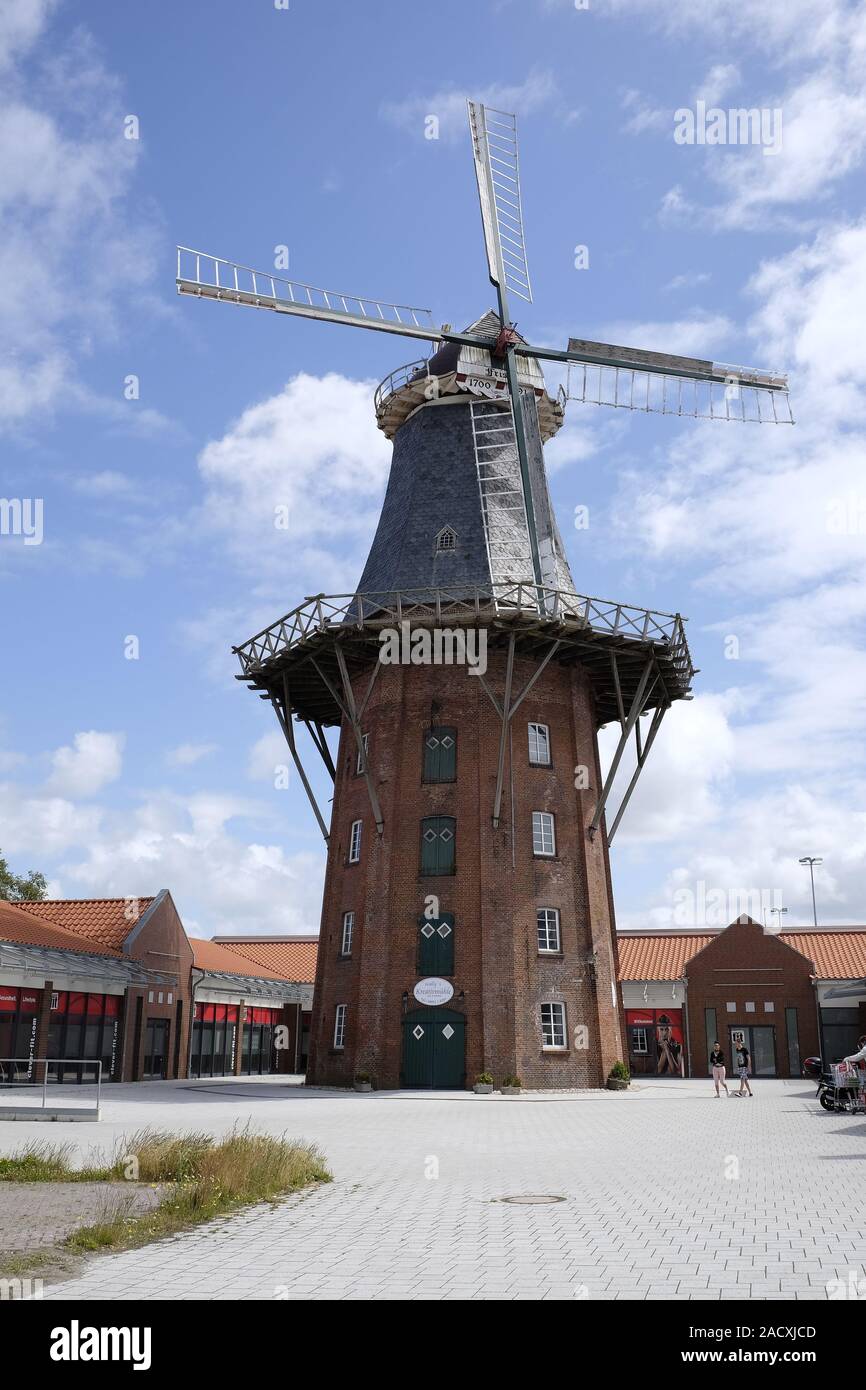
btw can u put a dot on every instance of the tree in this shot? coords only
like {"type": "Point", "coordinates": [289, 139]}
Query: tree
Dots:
{"type": "Point", "coordinates": [16, 888]}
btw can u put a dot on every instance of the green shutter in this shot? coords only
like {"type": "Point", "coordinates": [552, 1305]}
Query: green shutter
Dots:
{"type": "Point", "coordinates": [436, 945]}
{"type": "Point", "coordinates": [438, 835]}
{"type": "Point", "coordinates": [440, 754]}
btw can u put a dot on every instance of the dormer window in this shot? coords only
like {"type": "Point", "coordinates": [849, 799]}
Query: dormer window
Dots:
{"type": "Point", "coordinates": [446, 540]}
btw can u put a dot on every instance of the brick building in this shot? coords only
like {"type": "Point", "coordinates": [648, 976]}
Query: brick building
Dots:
{"type": "Point", "coordinates": [490, 887]}
{"type": "Point", "coordinates": [117, 981]}
{"type": "Point", "coordinates": [789, 994]}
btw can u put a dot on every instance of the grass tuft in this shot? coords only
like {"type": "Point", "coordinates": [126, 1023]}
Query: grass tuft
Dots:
{"type": "Point", "coordinates": [207, 1179]}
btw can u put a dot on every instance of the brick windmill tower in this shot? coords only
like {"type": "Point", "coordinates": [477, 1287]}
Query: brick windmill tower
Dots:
{"type": "Point", "coordinates": [467, 922]}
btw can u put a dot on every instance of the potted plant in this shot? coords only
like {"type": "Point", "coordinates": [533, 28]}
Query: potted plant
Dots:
{"type": "Point", "coordinates": [511, 1086]}
{"type": "Point", "coordinates": [483, 1084]}
{"type": "Point", "coordinates": [363, 1081]}
{"type": "Point", "coordinates": [618, 1077]}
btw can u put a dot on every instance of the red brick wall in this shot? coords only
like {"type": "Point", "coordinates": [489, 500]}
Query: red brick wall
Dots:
{"type": "Point", "coordinates": [160, 945]}
{"type": "Point", "coordinates": [494, 893]}
{"type": "Point", "coordinates": [746, 964]}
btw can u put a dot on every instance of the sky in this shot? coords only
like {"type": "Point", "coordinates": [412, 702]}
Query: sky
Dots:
{"type": "Point", "coordinates": [159, 433]}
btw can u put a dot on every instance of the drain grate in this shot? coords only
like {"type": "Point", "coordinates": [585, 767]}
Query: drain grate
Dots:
{"type": "Point", "coordinates": [531, 1199]}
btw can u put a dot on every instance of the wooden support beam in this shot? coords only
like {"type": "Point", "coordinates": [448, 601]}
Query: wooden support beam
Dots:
{"type": "Point", "coordinates": [284, 716]}
{"type": "Point", "coordinates": [506, 715]}
{"type": "Point", "coordinates": [658, 716]}
{"type": "Point", "coordinates": [352, 716]}
{"type": "Point", "coordinates": [637, 706]}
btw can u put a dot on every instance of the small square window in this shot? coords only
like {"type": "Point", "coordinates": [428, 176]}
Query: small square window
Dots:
{"type": "Point", "coordinates": [543, 834]}
{"type": "Point", "coordinates": [769, 1006]}
{"type": "Point", "coordinates": [731, 1008]}
{"type": "Point", "coordinates": [750, 1008]}
{"type": "Point", "coordinates": [355, 842]}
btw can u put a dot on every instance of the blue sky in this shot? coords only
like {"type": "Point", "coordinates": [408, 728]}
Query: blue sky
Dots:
{"type": "Point", "coordinates": [305, 127]}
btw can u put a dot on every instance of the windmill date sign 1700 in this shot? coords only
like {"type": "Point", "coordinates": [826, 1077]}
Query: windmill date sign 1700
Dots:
{"type": "Point", "coordinates": [468, 841]}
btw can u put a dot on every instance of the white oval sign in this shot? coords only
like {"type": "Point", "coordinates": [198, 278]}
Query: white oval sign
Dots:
{"type": "Point", "coordinates": [433, 990]}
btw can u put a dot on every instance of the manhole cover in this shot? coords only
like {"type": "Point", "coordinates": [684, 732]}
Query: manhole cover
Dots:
{"type": "Point", "coordinates": [531, 1199]}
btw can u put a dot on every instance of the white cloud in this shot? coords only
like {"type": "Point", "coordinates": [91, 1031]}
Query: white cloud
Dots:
{"type": "Point", "coordinates": [448, 104]}
{"type": "Point", "coordinates": [82, 770]}
{"type": "Point", "coordinates": [188, 754]}
{"type": "Point", "coordinates": [313, 456]}
{"type": "Point", "coordinates": [67, 170]}
{"type": "Point", "coordinates": [693, 336]}
{"type": "Point", "coordinates": [267, 754]}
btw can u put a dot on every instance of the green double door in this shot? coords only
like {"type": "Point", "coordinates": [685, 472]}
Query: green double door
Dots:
{"type": "Point", "coordinates": [434, 1049]}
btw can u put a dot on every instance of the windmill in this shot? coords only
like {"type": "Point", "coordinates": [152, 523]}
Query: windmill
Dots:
{"type": "Point", "coordinates": [467, 541]}
{"type": "Point", "coordinates": [630, 378]}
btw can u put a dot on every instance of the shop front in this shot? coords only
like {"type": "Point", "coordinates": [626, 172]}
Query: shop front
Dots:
{"type": "Point", "coordinates": [655, 1042]}
{"type": "Point", "coordinates": [19, 1026]}
{"type": "Point", "coordinates": [83, 1028]}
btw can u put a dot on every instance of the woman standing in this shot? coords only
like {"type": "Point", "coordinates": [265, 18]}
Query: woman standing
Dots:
{"type": "Point", "coordinates": [744, 1064]}
{"type": "Point", "coordinates": [717, 1062]}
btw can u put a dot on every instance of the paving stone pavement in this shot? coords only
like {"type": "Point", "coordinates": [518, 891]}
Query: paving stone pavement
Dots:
{"type": "Point", "coordinates": [668, 1193]}
{"type": "Point", "coordinates": [34, 1215]}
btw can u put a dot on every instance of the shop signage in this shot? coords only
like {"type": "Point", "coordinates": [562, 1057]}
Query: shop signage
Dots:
{"type": "Point", "coordinates": [433, 991]}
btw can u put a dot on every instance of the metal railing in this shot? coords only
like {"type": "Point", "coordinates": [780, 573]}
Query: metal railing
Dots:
{"type": "Point", "coordinates": [604, 616]}
{"type": "Point", "coordinates": [14, 1082]}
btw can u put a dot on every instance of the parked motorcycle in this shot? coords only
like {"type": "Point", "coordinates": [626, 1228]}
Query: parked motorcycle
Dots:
{"type": "Point", "coordinates": [838, 1089]}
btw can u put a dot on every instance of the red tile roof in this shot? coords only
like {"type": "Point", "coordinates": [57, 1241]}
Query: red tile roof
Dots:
{"type": "Point", "coordinates": [26, 928]}
{"type": "Point", "coordinates": [103, 921]}
{"type": "Point", "coordinates": [291, 957]}
{"type": "Point", "coordinates": [222, 960]}
{"type": "Point", "coordinates": [838, 953]}
{"type": "Point", "coordinates": [659, 957]}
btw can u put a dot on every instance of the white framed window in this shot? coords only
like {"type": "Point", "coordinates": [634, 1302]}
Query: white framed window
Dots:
{"type": "Point", "coordinates": [547, 922]}
{"type": "Point", "coordinates": [539, 745]}
{"type": "Point", "coordinates": [159, 997]}
{"type": "Point", "coordinates": [359, 764]}
{"type": "Point", "coordinates": [769, 1006]}
{"type": "Point", "coordinates": [543, 834]}
{"type": "Point", "coordinates": [750, 1007]}
{"type": "Point", "coordinates": [348, 933]}
{"type": "Point", "coordinates": [340, 1026]}
{"type": "Point", "coordinates": [639, 1042]}
{"type": "Point", "coordinates": [150, 996]}
{"type": "Point", "coordinates": [170, 999]}
{"type": "Point", "coordinates": [355, 842]}
{"type": "Point", "coordinates": [553, 1026]}
{"type": "Point", "coordinates": [731, 1008]}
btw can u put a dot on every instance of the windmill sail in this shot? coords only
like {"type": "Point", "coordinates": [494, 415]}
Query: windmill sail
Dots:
{"type": "Point", "coordinates": [666, 384]}
{"type": "Point", "coordinates": [497, 170]}
{"type": "Point", "coordinates": [212, 277]}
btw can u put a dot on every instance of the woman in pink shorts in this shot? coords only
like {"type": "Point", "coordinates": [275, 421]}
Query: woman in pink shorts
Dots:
{"type": "Point", "coordinates": [717, 1062]}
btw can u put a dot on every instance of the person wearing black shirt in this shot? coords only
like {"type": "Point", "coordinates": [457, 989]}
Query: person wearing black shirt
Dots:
{"type": "Point", "coordinates": [717, 1062]}
{"type": "Point", "coordinates": [744, 1062]}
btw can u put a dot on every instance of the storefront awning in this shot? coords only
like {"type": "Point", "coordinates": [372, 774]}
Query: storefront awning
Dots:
{"type": "Point", "coordinates": [56, 965]}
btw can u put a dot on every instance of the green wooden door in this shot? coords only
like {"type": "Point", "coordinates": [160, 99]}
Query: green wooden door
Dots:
{"type": "Point", "coordinates": [434, 1049]}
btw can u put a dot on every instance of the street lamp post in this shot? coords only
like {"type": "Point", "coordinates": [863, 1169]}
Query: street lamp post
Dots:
{"type": "Point", "coordinates": [812, 860]}
{"type": "Point", "coordinates": [779, 911]}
